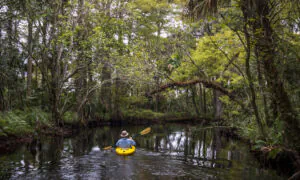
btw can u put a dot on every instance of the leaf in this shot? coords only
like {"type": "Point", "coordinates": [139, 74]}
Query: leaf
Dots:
{"type": "Point", "coordinates": [273, 153]}
{"type": "Point", "coordinates": [260, 142]}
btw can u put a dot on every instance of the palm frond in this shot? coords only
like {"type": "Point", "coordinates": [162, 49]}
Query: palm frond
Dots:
{"type": "Point", "coordinates": [196, 9]}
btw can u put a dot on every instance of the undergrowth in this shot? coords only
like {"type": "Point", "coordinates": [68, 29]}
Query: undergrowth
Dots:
{"type": "Point", "coordinates": [142, 114]}
{"type": "Point", "coordinates": [20, 123]}
{"type": "Point", "coordinates": [272, 142]}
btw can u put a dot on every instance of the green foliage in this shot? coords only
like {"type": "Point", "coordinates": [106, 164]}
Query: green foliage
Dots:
{"type": "Point", "coordinates": [70, 117]}
{"type": "Point", "coordinates": [272, 142]}
{"type": "Point", "coordinates": [175, 60]}
{"type": "Point", "coordinates": [14, 124]}
{"type": "Point", "coordinates": [264, 146]}
{"type": "Point", "coordinates": [274, 152]}
{"type": "Point", "coordinates": [225, 99]}
{"type": "Point", "coordinates": [247, 128]}
{"type": "Point", "coordinates": [36, 115]}
{"type": "Point", "coordinates": [134, 101]}
{"type": "Point", "coordinates": [142, 114]}
{"type": "Point", "coordinates": [20, 123]}
{"type": "Point", "coordinates": [276, 133]}
{"type": "Point", "coordinates": [210, 59]}
{"type": "Point", "coordinates": [259, 144]}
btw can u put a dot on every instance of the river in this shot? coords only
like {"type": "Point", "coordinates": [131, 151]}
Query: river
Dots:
{"type": "Point", "coordinates": [169, 152]}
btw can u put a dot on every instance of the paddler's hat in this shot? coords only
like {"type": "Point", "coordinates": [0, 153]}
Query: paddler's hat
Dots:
{"type": "Point", "coordinates": [124, 133]}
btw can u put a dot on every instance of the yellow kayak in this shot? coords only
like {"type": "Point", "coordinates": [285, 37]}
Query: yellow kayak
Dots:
{"type": "Point", "coordinates": [125, 151]}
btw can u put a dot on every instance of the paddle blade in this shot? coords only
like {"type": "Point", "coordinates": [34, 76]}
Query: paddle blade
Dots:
{"type": "Point", "coordinates": [145, 131]}
{"type": "Point", "coordinates": [107, 148]}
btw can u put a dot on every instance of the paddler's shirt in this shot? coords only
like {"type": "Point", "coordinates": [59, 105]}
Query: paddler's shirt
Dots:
{"type": "Point", "coordinates": [125, 143]}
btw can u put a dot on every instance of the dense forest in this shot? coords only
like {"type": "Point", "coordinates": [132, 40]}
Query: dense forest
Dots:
{"type": "Point", "coordinates": [234, 63]}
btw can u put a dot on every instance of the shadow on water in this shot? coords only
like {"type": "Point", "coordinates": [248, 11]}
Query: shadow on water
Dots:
{"type": "Point", "coordinates": [168, 152]}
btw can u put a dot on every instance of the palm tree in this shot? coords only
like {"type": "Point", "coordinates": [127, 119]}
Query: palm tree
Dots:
{"type": "Point", "coordinates": [196, 9]}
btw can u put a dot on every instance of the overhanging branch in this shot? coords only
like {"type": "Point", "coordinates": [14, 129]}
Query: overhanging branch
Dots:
{"type": "Point", "coordinates": [206, 83]}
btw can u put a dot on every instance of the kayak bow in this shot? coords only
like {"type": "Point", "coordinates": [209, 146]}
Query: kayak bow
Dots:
{"type": "Point", "coordinates": [125, 151]}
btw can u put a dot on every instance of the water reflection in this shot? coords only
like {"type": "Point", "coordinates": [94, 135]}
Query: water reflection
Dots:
{"type": "Point", "coordinates": [169, 152]}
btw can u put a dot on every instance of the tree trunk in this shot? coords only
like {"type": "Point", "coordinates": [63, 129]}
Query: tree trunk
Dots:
{"type": "Point", "coordinates": [218, 110]}
{"type": "Point", "coordinates": [106, 88]}
{"type": "Point", "coordinates": [55, 69]}
{"type": "Point", "coordinates": [157, 94]}
{"type": "Point", "coordinates": [81, 80]}
{"type": "Point", "coordinates": [201, 98]}
{"type": "Point", "coordinates": [29, 64]}
{"type": "Point", "coordinates": [248, 72]}
{"type": "Point", "coordinates": [43, 66]}
{"type": "Point", "coordinates": [117, 114]}
{"type": "Point", "coordinates": [204, 101]}
{"type": "Point", "coordinates": [194, 100]}
{"type": "Point", "coordinates": [262, 88]}
{"type": "Point", "coordinates": [2, 100]}
{"type": "Point", "coordinates": [266, 46]}
{"type": "Point", "coordinates": [9, 52]}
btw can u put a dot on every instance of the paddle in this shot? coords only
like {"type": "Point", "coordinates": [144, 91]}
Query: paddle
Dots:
{"type": "Point", "coordinates": [143, 132]}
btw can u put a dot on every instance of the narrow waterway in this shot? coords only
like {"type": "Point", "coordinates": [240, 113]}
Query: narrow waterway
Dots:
{"type": "Point", "coordinates": [168, 152]}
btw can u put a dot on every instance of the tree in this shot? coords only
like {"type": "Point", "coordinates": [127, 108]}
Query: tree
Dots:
{"type": "Point", "coordinates": [256, 19]}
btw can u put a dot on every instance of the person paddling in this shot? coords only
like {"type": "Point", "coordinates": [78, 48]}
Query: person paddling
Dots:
{"type": "Point", "coordinates": [125, 141]}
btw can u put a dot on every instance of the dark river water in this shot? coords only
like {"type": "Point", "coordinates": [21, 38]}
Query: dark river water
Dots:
{"type": "Point", "coordinates": [168, 152]}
